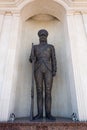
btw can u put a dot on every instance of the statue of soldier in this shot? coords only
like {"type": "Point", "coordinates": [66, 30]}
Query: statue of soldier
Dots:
{"type": "Point", "coordinates": [44, 70]}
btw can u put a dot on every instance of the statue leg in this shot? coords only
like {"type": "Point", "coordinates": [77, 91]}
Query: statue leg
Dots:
{"type": "Point", "coordinates": [39, 89]}
{"type": "Point", "coordinates": [48, 99]}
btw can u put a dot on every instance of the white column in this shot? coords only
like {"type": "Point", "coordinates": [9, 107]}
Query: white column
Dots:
{"type": "Point", "coordinates": [1, 22]}
{"type": "Point", "coordinates": [14, 45]}
{"type": "Point", "coordinates": [8, 42]}
{"type": "Point", "coordinates": [78, 44]}
{"type": "Point", "coordinates": [1, 27]}
{"type": "Point", "coordinates": [84, 16]}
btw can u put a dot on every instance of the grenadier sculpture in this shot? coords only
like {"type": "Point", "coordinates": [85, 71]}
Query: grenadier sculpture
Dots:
{"type": "Point", "coordinates": [44, 70]}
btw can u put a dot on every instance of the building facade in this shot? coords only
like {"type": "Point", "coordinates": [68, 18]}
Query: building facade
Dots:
{"type": "Point", "coordinates": [66, 22]}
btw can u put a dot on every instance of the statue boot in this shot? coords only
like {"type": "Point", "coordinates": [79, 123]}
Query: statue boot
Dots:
{"type": "Point", "coordinates": [48, 108]}
{"type": "Point", "coordinates": [39, 107]}
{"type": "Point", "coordinates": [50, 117]}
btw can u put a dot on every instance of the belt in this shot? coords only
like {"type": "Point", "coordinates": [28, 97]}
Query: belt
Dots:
{"type": "Point", "coordinates": [43, 60]}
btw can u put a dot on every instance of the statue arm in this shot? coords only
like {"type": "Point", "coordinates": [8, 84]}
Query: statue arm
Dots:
{"type": "Point", "coordinates": [32, 55]}
{"type": "Point", "coordinates": [53, 61]}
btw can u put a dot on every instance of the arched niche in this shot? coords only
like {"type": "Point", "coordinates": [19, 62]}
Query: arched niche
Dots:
{"type": "Point", "coordinates": [43, 7]}
{"type": "Point", "coordinates": [50, 15]}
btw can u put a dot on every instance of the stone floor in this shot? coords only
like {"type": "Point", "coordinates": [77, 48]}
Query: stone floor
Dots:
{"type": "Point", "coordinates": [44, 120]}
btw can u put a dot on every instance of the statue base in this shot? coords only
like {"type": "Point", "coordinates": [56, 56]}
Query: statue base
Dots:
{"type": "Point", "coordinates": [59, 124]}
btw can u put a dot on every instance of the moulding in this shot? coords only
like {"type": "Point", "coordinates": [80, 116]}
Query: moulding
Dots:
{"type": "Point", "coordinates": [76, 12]}
{"type": "Point", "coordinates": [15, 6]}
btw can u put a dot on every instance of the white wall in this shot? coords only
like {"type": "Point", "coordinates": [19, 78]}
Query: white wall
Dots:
{"type": "Point", "coordinates": [61, 99]}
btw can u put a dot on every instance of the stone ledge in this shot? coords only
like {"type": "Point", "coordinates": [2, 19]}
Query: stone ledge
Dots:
{"type": "Point", "coordinates": [43, 125]}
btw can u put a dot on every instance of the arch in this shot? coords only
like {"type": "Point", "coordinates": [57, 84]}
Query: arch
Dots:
{"type": "Point", "coordinates": [50, 7]}
{"type": "Point", "coordinates": [64, 3]}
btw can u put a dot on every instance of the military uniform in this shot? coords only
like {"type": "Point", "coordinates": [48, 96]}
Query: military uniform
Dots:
{"type": "Point", "coordinates": [44, 70]}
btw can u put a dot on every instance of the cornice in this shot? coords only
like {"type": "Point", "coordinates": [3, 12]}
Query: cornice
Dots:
{"type": "Point", "coordinates": [17, 5]}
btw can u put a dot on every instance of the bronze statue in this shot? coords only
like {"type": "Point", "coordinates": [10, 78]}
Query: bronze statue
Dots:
{"type": "Point", "coordinates": [44, 70]}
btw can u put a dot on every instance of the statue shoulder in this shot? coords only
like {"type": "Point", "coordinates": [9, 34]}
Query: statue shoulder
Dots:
{"type": "Point", "coordinates": [35, 46]}
{"type": "Point", "coordinates": [51, 46]}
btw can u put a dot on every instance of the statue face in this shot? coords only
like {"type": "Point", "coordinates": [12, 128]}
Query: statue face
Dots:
{"type": "Point", "coordinates": [43, 38]}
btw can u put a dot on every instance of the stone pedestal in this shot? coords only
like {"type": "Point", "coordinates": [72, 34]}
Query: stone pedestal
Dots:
{"type": "Point", "coordinates": [58, 125]}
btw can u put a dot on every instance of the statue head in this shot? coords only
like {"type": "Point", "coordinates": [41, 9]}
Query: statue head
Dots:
{"type": "Point", "coordinates": [43, 35]}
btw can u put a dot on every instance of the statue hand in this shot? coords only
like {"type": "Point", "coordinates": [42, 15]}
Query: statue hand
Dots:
{"type": "Point", "coordinates": [32, 59]}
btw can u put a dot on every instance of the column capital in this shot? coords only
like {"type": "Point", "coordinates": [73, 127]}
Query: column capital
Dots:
{"type": "Point", "coordinates": [76, 12]}
{"type": "Point", "coordinates": [10, 12]}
